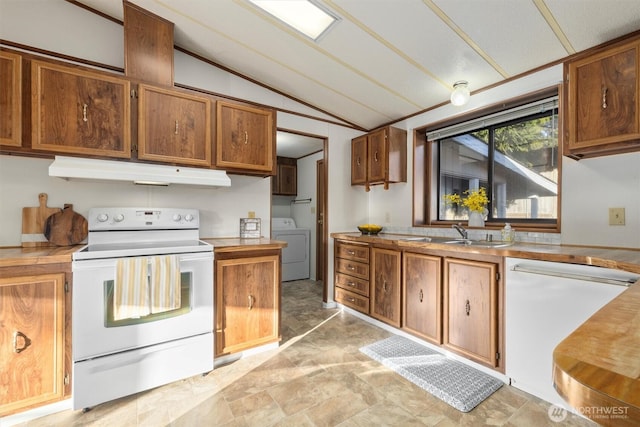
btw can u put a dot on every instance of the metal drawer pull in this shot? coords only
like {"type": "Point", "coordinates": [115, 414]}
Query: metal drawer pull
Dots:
{"type": "Point", "coordinates": [26, 342]}
{"type": "Point", "coordinates": [176, 131]}
{"type": "Point", "coordinates": [358, 161]}
{"type": "Point", "coordinates": [251, 300]}
{"type": "Point", "coordinates": [351, 252]}
{"type": "Point", "coordinates": [384, 285]}
{"type": "Point", "coordinates": [375, 156]}
{"type": "Point", "coordinates": [604, 97]}
{"type": "Point", "coordinates": [246, 137]}
{"type": "Point", "coordinates": [84, 112]}
{"type": "Point", "coordinates": [467, 307]}
{"type": "Point", "coordinates": [351, 267]}
{"type": "Point", "coordinates": [420, 295]}
{"type": "Point", "coordinates": [353, 285]}
{"type": "Point", "coordinates": [352, 299]}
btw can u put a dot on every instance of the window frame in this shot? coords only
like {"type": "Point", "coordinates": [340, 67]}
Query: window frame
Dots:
{"type": "Point", "coordinates": [425, 167]}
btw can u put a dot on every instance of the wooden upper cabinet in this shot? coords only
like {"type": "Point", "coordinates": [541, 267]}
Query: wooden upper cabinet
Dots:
{"type": "Point", "coordinates": [359, 160]}
{"type": "Point", "coordinates": [379, 157]}
{"type": "Point", "coordinates": [603, 102]}
{"type": "Point", "coordinates": [78, 111]}
{"type": "Point", "coordinates": [173, 127]}
{"type": "Point", "coordinates": [32, 341]}
{"type": "Point", "coordinates": [10, 99]}
{"type": "Point", "coordinates": [245, 140]}
{"type": "Point", "coordinates": [148, 46]}
{"type": "Point", "coordinates": [286, 179]}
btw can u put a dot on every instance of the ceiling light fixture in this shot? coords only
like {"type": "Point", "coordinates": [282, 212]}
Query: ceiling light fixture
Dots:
{"type": "Point", "coordinates": [460, 94]}
{"type": "Point", "coordinates": [303, 16]}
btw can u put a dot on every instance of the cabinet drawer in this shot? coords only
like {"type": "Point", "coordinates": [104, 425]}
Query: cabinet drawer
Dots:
{"type": "Point", "coordinates": [352, 300]}
{"type": "Point", "coordinates": [352, 284]}
{"type": "Point", "coordinates": [354, 252]}
{"type": "Point", "coordinates": [352, 268]}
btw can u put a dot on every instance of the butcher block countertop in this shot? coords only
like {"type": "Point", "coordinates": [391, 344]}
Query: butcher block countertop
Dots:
{"type": "Point", "coordinates": [597, 367]}
{"type": "Point", "coordinates": [17, 256]}
{"type": "Point", "coordinates": [235, 244]}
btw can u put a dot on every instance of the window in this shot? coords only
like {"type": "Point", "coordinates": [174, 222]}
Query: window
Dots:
{"type": "Point", "coordinates": [513, 154]}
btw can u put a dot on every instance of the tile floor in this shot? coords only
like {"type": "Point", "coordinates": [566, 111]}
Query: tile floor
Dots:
{"type": "Point", "coordinates": [317, 377]}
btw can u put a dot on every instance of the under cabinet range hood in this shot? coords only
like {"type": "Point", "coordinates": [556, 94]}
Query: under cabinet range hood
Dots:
{"type": "Point", "coordinates": [138, 173]}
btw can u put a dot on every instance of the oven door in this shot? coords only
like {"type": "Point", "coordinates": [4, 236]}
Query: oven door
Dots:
{"type": "Point", "coordinates": [96, 333]}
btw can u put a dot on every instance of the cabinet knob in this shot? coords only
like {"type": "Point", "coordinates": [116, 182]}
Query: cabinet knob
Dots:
{"type": "Point", "coordinates": [20, 342]}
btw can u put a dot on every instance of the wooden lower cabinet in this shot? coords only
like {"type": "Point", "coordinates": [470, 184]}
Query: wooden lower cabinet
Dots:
{"type": "Point", "coordinates": [385, 285]}
{"type": "Point", "coordinates": [352, 275]}
{"type": "Point", "coordinates": [247, 292]}
{"type": "Point", "coordinates": [470, 309]}
{"type": "Point", "coordinates": [422, 296]}
{"type": "Point", "coordinates": [34, 339]}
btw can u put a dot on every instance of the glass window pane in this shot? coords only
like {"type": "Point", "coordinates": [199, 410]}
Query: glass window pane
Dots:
{"type": "Point", "coordinates": [525, 179]}
{"type": "Point", "coordinates": [464, 164]}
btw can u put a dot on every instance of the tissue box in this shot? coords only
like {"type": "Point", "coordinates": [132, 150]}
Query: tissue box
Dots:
{"type": "Point", "coordinates": [249, 228]}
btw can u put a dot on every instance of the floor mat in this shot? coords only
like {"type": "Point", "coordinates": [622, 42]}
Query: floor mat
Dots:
{"type": "Point", "coordinates": [453, 382]}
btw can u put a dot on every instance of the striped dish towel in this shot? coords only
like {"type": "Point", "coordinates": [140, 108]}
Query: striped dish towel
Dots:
{"type": "Point", "coordinates": [131, 289]}
{"type": "Point", "coordinates": [165, 283]}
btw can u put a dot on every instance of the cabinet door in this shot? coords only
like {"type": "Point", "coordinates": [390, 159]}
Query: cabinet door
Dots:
{"type": "Point", "coordinates": [245, 138]}
{"type": "Point", "coordinates": [603, 98]}
{"type": "Point", "coordinates": [287, 180]}
{"type": "Point", "coordinates": [385, 288]}
{"type": "Point", "coordinates": [174, 127]}
{"type": "Point", "coordinates": [377, 159]}
{"type": "Point", "coordinates": [77, 111]}
{"type": "Point", "coordinates": [10, 99]}
{"type": "Point", "coordinates": [359, 160]}
{"type": "Point", "coordinates": [31, 341]}
{"type": "Point", "coordinates": [247, 303]}
{"type": "Point", "coordinates": [471, 309]}
{"type": "Point", "coordinates": [421, 296]}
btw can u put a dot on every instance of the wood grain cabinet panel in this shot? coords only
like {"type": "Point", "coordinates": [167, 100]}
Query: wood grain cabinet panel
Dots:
{"type": "Point", "coordinates": [386, 285]}
{"type": "Point", "coordinates": [603, 102]}
{"type": "Point", "coordinates": [10, 99]}
{"type": "Point", "coordinates": [422, 296]}
{"type": "Point", "coordinates": [245, 139]}
{"type": "Point", "coordinates": [286, 179]}
{"type": "Point", "coordinates": [79, 111]}
{"type": "Point", "coordinates": [32, 341]}
{"type": "Point", "coordinates": [247, 302]}
{"type": "Point", "coordinates": [173, 127]}
{"type": "Point", "coordinates": [351, 278]}
{"type": "Point", "coordinates": [379, 158]}
{"type": "Point", "coordinates": [471, 309]}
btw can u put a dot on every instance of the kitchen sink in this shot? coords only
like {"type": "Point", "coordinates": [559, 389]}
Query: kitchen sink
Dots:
{"type": "Point", "coordinates": [462, 242]}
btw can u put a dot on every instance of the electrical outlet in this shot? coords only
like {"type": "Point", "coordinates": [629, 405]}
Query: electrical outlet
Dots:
{"type": "Point", "coordinates": [251, 214]}
{"type": "Point", "coordinates": [616, 216]}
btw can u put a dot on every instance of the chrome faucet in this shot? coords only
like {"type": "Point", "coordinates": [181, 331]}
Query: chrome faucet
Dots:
{"type": "Point", "coordinates": [460, 229]}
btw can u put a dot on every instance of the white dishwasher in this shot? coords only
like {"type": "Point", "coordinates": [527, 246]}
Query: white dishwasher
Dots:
{"type": "Point", "coordinates": [545, 302]}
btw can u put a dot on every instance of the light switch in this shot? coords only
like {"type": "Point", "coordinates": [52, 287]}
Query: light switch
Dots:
{"type": "Point", "coordinates": [616, 216]}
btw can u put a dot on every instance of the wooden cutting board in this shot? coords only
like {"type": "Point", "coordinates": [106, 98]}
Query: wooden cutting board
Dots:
{"type": "Point", "coordinates": [33, 220]}
{"type": "Point", "coordinates": [66, 228]}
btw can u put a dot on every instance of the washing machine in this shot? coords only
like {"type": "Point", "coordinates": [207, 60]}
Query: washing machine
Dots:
{"type": "Point", "coordinates": [295, 257]}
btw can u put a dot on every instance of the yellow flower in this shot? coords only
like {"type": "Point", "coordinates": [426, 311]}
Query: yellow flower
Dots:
{"type": "Point", "coordinates": [476, 200]}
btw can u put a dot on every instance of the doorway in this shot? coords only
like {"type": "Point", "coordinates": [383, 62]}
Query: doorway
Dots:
{"type": "Point", "coordinates": [308, 205]}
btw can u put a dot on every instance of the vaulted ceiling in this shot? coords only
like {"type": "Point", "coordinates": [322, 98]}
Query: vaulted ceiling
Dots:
{"type": "Point", "coordinates": [388, 59]}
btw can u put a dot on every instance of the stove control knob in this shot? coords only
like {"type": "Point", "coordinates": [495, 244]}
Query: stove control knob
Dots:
{"type": "Point", "coordinates": [177, 217]}
{"type": "Point", "coordinates": [103, 217]}
{"type": "Point", "coordinates": [188, 217]}
{"type": "Point", "coordinates": [118, 218]}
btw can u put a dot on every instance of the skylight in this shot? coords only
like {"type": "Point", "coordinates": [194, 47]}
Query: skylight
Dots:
{"type": "Point", "coordinates": [301, 15]}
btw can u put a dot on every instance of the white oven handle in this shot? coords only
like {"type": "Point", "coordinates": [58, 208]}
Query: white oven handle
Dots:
{"type": "Point", "coordinates": [85, 264]}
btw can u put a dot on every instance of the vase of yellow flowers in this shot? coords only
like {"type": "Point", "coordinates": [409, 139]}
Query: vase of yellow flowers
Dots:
{"type": "Point", "coordinates": [475, 202]}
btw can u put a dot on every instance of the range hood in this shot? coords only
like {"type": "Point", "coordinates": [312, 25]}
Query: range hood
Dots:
{"type": "Point", "coordinates": [138, 173]}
